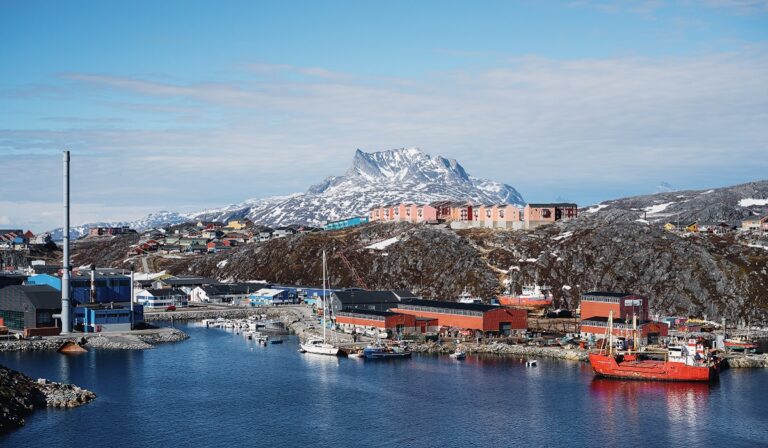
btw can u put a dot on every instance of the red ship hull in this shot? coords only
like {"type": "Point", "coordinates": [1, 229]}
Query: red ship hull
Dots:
{"type": "Point", "coordinates": [740, 345]}
{"type": "Point", "coordinates": [524, 302]}
{"type": "Point", "coordinates": [631, 369]}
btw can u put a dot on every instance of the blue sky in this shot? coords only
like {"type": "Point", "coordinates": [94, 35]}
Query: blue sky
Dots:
{"type": "Point", "coordinates": [185, 105]}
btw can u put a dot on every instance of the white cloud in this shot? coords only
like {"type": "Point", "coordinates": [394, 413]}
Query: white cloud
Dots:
{"type": "Point", "coordinates": [535, 123]}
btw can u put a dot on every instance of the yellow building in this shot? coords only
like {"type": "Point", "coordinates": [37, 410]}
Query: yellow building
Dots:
{"type": "Point", "coordinates": [692, 227]}
{"type": "Point", "coordinates": [669, 226]}
{"type": "Point", "coordinates": [238, 224]}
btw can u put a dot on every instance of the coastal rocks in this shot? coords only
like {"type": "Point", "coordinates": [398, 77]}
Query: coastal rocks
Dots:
{"type": "Point", "coordinates": [20, 395]}
{"type": "Point", "coordinates": [506, 349]}
{"type": "Point", "coordinates": [143, 340]}
{"type": "Point", "coordinates": [748, 361]}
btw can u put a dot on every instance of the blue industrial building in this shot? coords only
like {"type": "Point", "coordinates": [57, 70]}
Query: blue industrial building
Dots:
{"type": "Point", "coordinates": [267, 296]}
{"type": "Point", "coordinates": [95, 318]}
{"type": "Point", "coordinates": [346, 223]}
{"type": "Point", "coordinates": [111, 286]}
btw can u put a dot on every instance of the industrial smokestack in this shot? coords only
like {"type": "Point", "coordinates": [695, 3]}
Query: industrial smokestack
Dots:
{"type": "Point", "coordinates": [93, 283]}
{"type": "Point", "coordinates": [66, 323]}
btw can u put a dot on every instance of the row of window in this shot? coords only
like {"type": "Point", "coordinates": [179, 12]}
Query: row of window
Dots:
{"type": "Point", "coordinates": [13, 319]}
{"type": "Point", "coordinates": [429, 309]}
{"type": "Point", "coordinates": [601, 299]}
{"type": "Point", "coordinates": [357, 316]}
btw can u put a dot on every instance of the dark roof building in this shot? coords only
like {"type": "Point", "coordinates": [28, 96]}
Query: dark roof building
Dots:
{"type": "Point", "coordinates": [29, 306]}
{"type": "Point", "coordinates": [362, 299]}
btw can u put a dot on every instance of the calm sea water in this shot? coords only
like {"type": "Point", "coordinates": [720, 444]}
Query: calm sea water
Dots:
{"type": "Point", "coordinates": [218, 389]}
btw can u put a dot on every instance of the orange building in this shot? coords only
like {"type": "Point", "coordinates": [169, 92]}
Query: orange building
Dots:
{"type": "Point", "coordinates": [484, 318]}
{"type": "Point", "coordinates": [649, 331]}
{"type": "Point", "coordinates": [540, 214]}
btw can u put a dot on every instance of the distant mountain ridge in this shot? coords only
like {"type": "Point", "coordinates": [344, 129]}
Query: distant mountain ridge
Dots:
{"type": "Point", "coordinates": [396, 175]}
{"type": "Point", "coordinates": [728, 204]}
{"type": "Point", "coordinates": [373, 179]}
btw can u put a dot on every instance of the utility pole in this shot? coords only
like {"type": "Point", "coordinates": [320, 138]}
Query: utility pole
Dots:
{"type": "Point", "coordinates": [66, 323]}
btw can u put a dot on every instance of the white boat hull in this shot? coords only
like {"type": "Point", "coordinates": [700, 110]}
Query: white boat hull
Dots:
{"type": "Point", "coordinates": [320, 349]}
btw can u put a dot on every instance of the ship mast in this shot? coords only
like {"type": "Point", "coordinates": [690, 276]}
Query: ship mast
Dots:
{"type": "Point", "coordinates": [610, 333]}
{"type": "Point", "coordinates": [634, 331]}
{"type": "Point", "coordinates": [325, 298]}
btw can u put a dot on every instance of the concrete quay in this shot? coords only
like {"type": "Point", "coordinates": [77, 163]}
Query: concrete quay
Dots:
{"type": "Point", "coordinates": [134, 340]}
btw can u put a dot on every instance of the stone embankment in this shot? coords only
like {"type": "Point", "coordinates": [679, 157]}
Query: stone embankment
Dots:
{"type": "Point", "coordinates": [748, 361]}
{"type": "Point", "coordinates": [139, 340]}
{"type": "Point", "coordinates": [525, 351]}
{"type": "Point", "coordinates": [20, 395]}
{"type": "Point", "coordinates": [176, 316]}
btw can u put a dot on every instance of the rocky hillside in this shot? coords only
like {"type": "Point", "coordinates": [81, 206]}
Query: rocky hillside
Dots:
{"type": "Point", "coordinates": [684, 274]}
{"type": "Point", "coordinates": [729, 204]}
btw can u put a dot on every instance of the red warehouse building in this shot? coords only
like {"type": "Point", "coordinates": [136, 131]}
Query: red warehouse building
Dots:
{"type": "Point", "coordinates": [485, 318]}
{"type": "Point", "coordinates": [623, 305]}
{"type": "Point", "coordinates": [649, 331]}
{"type": "Point", "coordinates": [382, 320]}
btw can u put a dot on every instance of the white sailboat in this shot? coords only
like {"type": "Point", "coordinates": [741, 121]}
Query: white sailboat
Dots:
{"type": "Point", "coordinates": [314, 344]}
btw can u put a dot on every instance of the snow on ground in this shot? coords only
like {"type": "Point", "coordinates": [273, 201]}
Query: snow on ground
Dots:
{"type": "Point", "coordinates": [596, 208]}
{"type": "Point", "coordinates": [221, 264]}
{"type": "Point", "coordinates": [749, 202]}
{"type": "Point", "coordinates": [566, 287]}
{"type": "Point", "coordinates": [642, 221]}
{"type": "Point", "coordinates": [381, 245]}
{"type": "Point", "coordinates": [758, 246]}
{"type": "Point", "coordinates": [562, 236]}
{"type": "Point", "coordinates": [658, 208]}
{"type": "Point", "coordinates": [707, 192]}
{"type": "Point", "coordinates": [532, 260]}
{"type": "Point", "coordinates": [514, 268]}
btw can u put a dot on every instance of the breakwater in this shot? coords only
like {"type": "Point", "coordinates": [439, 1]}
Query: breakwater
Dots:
{"type": "Point", "coordinates": [748, 361]}
{"type": "Point", "coordinates": [497, 348]}
{"type": "Point", "coordinates": [138, 340]}
{"type": "Point", "coordinates": [20, 395]}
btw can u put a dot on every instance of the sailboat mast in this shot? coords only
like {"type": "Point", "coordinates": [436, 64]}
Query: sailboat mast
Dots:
{"type": "Point", "coordinates": [325, 298]}
{"type": "Point", "coordinates": [634, 330]}
{"type": "Point", "coordinates": [610, 333]}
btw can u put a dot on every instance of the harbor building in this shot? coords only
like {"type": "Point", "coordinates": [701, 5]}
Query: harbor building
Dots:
{"type": "Point", "coordinates": [100, 317]}
{"type": "Point", "coordinates": [31, 307]}
{"type": "Point", "coordinates": [393, 323]}
{"type": "Point", "coordinates": [268, 296]}
{"type": "Point", "coordinates": [231, 293]}
{"type": "Point", "coordinates": [487, 319]}
{"type": "Point", "coordinates": [367, 300]}
{"type": "Point", "coordinates": [596, 307]}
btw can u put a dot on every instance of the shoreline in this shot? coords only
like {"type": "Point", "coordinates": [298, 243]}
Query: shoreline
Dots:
{"type": "Point", "coordinates": [136, 340]}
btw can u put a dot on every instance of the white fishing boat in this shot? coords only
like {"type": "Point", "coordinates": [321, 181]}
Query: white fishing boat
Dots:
{"type": "Point", "coordinates": [314, 344]}
{"type": "Point", "coordinates": [458, 354]}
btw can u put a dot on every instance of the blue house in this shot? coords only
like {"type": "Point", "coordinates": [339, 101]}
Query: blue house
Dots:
{"type": "Point", "coordinates": [346, 223]}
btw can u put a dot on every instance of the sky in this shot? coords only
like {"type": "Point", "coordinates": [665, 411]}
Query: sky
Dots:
{"type": "Point", "coordinates": [186, 105]}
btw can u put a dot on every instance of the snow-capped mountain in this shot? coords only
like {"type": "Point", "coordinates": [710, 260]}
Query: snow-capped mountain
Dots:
{"type": "Point", "coordinates": [159, 219]}
{"type": "Point", "coordinates": [728, 204]}
{"type": "Point", "coordinates": [374, 179]}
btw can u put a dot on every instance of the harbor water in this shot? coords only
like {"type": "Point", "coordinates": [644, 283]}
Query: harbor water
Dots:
{"type": "Point", "coordinates": [219, 389]}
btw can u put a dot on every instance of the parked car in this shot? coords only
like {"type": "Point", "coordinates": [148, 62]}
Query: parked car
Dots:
{"type": "Point", "coordinates": [170, 308]}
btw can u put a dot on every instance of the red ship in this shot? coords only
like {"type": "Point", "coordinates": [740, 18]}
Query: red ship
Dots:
{"type": "Point", "coordinates": [688, 362]}
{"type": "Point", "coordinates": [740, 344]}
{"type": "Point", "coordinates": [532, 297]}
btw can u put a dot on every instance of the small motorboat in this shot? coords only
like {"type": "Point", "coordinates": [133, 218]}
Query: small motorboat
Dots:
{"type": "Point", "coordinates": [276, 341]}
{"type": "Point", "coordinates": [458, 354]}
{"type": "Point", "coordinates": [531, 363]}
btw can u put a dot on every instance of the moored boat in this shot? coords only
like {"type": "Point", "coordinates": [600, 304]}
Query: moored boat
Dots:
{"type": "Point", "coordinates": [740, 344]}
{"type": "Point", "coordinates": [533, 296]}
{"type": "Point", "coordinates": [381, 351]}
{"type": "Point", "coordinates": [689, 362]}
{"type": "Point", "coordinates": [317, 345]}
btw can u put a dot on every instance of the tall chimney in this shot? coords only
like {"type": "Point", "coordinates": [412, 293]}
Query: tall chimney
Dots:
{"type": "Point", "coordinates": [93, 283]}
{"type": "Point", "coordinates": [66, 323]}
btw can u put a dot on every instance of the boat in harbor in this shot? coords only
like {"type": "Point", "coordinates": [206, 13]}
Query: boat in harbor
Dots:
{"type": "Point", "coordinates": [458, 354]}
{"type": "Point", "coordinates": [689, 362]}
{"type": "Point", "coordinates": [533, 296]}
{"type": "Point", "coordinates": [740, 344]}
{"type": "Point", "coordinates": [315, 344]}
{"type": "Point", "coordinates": [379, 350]}
{"type": "Point", "coordinates": [466, 297]}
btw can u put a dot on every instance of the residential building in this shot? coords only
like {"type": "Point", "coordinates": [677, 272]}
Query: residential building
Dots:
{"type": "Point", "coordinates": [184, 282]}
{"type": "Point", "coordinates": [692, 227]}
{"type": "Point", "coordinates": [755, 223]}
{"type": "Point", "coordinates": [282, 232]}
{"type": "Point", "coordinates": [346, 223]}
{"type": "Point", "coordinates": [162, 298]}
{"type": "Point", "coordinates": [229, 293]}
{"type": "Point", "coordinates": [536, 215]}
{"type": "Point", "coordinates": [239, 224]}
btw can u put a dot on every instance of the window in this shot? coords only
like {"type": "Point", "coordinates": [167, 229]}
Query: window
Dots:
{"type": "Point", "coordinates": [488, 213]}
{"type": "Point", "coordinates": [501, 213]}
{"type": "Point", "coordinates": [13, 319]}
